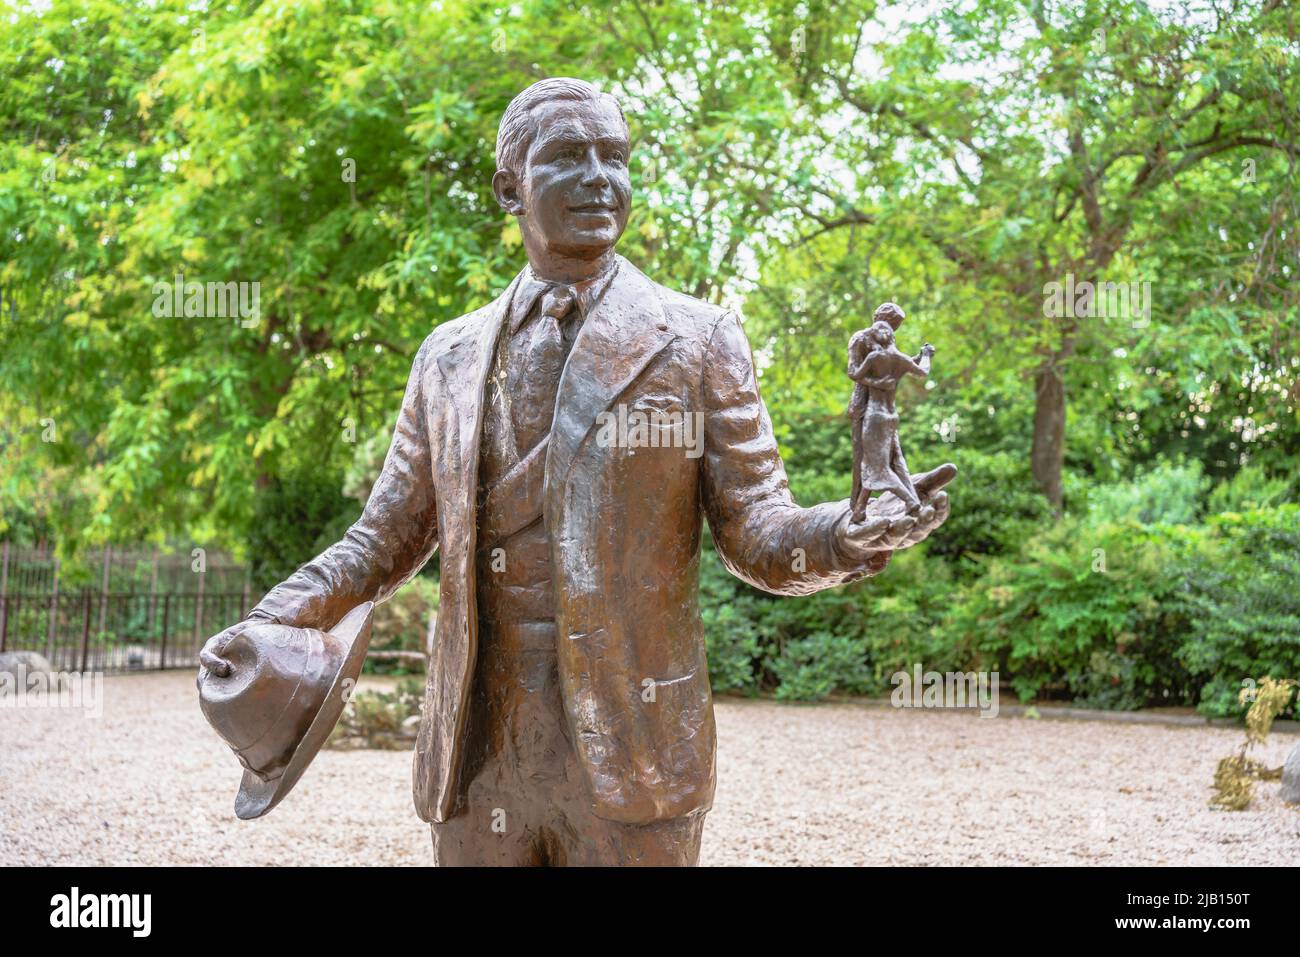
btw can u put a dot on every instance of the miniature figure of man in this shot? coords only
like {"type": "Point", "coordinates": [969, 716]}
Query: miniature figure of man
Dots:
{"type": "Point", "coordinates": [568, 717]}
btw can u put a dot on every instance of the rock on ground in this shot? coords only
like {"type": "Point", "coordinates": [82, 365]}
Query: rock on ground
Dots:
{"type": "Point", "coordinates": [1290, 792]}
{"type": "Point", "coordinates": [33, 662]}
{"type": "Point", "coordinates": [147, 782]}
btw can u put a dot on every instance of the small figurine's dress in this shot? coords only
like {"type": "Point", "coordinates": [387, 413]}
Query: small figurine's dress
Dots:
{"type": "Point", "coordinates": [879, 441]}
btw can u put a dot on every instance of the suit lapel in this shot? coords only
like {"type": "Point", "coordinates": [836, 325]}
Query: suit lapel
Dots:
{"type": "Point", "coordinates": [624, 332]}
{"type": "Point", "coordinates": [465, 367]}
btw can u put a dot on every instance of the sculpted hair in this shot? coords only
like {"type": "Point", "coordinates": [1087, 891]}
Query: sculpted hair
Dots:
{"type": "Point", "coordinates": [515, 133]}
{"type": "Point", "coordinates": [882, 334]}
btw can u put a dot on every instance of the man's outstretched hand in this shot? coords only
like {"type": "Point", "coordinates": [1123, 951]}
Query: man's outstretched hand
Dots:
{"type": "Point", "coordinates": [887, 527]}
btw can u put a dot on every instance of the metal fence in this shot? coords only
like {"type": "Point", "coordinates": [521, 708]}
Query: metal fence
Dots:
{"type": "Point", "coordinates": [37, 568]}
{"type": "Point", "coordinates": [117, 609]}
{"type": "Point", "coordinates": [89, 630]}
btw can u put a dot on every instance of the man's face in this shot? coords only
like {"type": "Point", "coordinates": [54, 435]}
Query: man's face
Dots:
{"type": "Point", "coordinates": [573, 187]}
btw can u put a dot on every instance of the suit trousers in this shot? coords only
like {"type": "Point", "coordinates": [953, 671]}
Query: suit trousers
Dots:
{"type": "Point", "coordinates": [526, 800]}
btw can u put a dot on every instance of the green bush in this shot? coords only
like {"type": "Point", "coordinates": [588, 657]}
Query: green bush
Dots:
{"type": "Point", "coordinates": [1243, 606]}
{"type": "Point", "coordinates": [298, 517]}
{"type": "Point", "coordinates": [1086, 612]}
{"type": "Point", "coordinates": [1249, 489]}
{"type": "Point", "coordinates": [730, 632]}
{"type": "Point", "coordinates": [809, 669]}
{"type": "Point", "coordinates": [1106, 613]}
{"type": "Point", "coordinates": [995, 505]}
{"type": "Point", "coordinates": [402, 624]}
{"type": "Point", "coordinates": [763, 643]}
{"type": "Point", "coordinates": [1166, 493]}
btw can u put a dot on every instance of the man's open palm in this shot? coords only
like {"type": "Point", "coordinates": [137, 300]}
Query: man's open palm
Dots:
{"type": "Point", "coordinates": [887, 526]}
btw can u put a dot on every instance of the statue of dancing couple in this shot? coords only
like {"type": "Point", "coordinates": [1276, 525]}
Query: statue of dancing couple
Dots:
{"type": "Point", "coordinates": [877, 367]}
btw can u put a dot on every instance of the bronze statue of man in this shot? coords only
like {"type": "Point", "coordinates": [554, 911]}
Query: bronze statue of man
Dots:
{"type": "Point", "coordinates": [568, 717]}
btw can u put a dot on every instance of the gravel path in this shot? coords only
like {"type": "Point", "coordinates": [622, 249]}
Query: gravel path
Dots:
{"type": "Point", "coordinates": [149, 783]}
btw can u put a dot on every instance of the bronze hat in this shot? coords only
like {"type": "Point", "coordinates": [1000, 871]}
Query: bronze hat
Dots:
{"type": "Point", "coordinates": [278, 697]}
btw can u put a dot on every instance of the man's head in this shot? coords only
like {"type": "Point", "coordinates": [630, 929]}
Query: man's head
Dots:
{"type": "Point", "coordinates": [562, 168]}
{"type": "Point", "coordinates": [891, 313]}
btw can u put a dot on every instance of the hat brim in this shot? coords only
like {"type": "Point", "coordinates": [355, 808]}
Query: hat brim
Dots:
{"type": "Point", "coordinates": [257, 796]}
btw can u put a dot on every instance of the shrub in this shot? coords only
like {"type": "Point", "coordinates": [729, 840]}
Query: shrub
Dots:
{"type": "Point", "coordinates": [1082, 612]}
{"type": "Point", "coordinates": [809, 669]}
{"type": "Point", "coordinates": [1113, 608]}
{"type": "Point", "coordinates": [1164, 494]}
{"type": "Point", "coordinates": [297, 517]}
{"type": "Point", "coordinates": [380, 719]}
{"type": "Point", "coordinates": [1251, 488]}
{"type": "Point", "coordinates": [402, 624]}
{"type": "Point", "coordinates": [730, 634]}
{"type": "Point", "coordinates": [1243, 606]}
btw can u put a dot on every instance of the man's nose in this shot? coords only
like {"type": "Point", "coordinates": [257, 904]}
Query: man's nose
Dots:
{"type": "Point", "coordinates": [593, 170]}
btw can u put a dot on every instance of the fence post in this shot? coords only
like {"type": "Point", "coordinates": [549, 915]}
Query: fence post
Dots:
{"type": "Point", "coordinates": [85, 627]}
{"type": "Point", "coordinates": [4, 592]}
{"type": "Point", "coordinates": [54, 615]}
{"type": "Point", "coordinates": [103, 587]}
{"type": "Point", "coordinates": [153, 592]}
{"type": "Point", "coordinates": [198, 602]}
{"type": "Point", "coordinates": [162, 646]}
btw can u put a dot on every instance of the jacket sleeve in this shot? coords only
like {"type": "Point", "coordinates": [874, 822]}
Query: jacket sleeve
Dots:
{"type": "Point", "coordinates": [762, 535]}
{"type": "Point", "coordinates": [391, 541]}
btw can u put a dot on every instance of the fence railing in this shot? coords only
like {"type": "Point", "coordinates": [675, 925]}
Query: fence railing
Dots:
{"type": "Point", "coordinates": [90, 630]}
{"type": "Point", "coordinates": [37, 568]}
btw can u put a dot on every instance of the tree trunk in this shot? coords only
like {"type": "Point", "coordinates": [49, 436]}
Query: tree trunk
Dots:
{"type": "Point", "coordinates": [1048, 454]}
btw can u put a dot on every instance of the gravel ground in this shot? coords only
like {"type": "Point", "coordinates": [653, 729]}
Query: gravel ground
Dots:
{"type": "Point", "coordinates": [149, 783]}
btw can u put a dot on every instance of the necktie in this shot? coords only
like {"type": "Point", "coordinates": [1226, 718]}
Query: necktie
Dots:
{"type": "Point", "coordinates": [541, 372]}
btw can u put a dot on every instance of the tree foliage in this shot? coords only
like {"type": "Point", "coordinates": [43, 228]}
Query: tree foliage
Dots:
{"type": "Point", "coordinates": [798, 159]}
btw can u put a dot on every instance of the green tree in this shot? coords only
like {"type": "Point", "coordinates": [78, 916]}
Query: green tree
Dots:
{"type": "Point", "coordinates": [989, 150]}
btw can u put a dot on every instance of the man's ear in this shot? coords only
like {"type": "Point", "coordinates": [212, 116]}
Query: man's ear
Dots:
{"type": "Point", "coordinates": [505, 186]}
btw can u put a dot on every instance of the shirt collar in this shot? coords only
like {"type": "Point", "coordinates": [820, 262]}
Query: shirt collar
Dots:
{"type": "Point", "coordinates": [533, 286]}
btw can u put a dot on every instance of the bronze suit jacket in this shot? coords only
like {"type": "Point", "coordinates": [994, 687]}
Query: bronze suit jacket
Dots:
{"type": "Point", "coordinates": [625, 527]}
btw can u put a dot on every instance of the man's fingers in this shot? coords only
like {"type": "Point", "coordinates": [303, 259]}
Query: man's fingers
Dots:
{"type": "Point", "coordinates": [927, 483]}
{"type": "Point", "coordinates": [870, 529]}
{"type": "Point", "coordinates": [938, 515]}
{"type": "Point", "coordinates": [215, 647]}
{"type": "Point", "coordinates": [215, 664]}
{"type": "Point", "coordinates": [869, 537]}
{"type": "Point", "coordinates": [899, 530]}
{"type": "Point", "coordinates": [881, 532]}
{"type": "Point", "coordinates": [893, 530]}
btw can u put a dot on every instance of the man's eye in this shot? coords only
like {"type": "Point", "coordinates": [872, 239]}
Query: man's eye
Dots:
{"type": "Point", "coordinates": [617, 157]}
